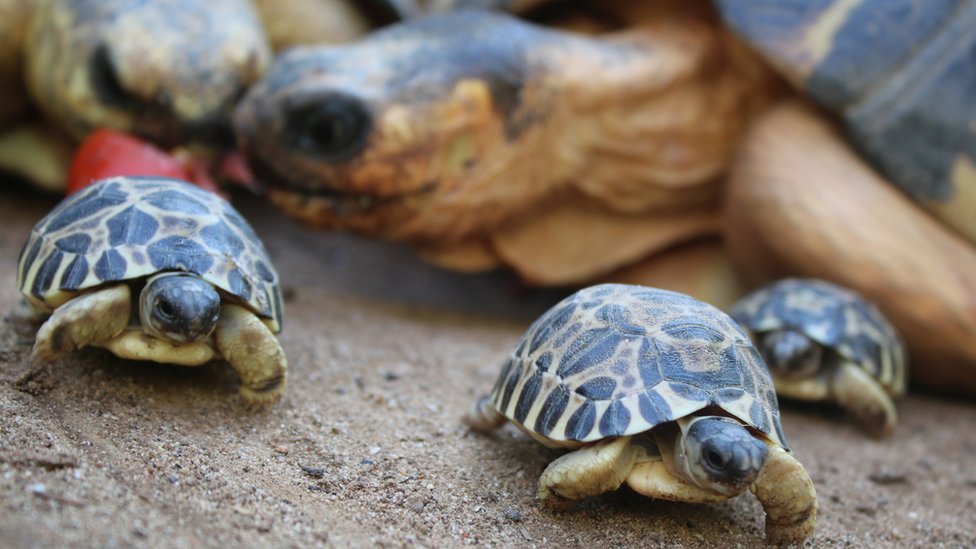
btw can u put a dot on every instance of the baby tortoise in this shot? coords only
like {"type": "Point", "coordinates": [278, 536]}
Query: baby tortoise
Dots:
{"type": "Point", "coordinates": [900, 76]}
{"type": "Point", "coordinates": [155, 269]}
{"type": "Point", "coordinates": [799, 202]}
{"type": "Point", "coordinates": [655, 389]}
{"type": "Point", "coordinates": [823, 342]}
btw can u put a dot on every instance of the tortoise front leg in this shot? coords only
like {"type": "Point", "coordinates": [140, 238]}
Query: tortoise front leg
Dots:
{"type": "Point", "coordinates": [254, 352]}
{"type": "Point", "coordinates": [863, 397]}
{"type": "Point", "coordinates": [89, 318]}
{"type": "Point", "coordinates": [588, 471]}
{"type": "Point", "coordinates": [787, 495]}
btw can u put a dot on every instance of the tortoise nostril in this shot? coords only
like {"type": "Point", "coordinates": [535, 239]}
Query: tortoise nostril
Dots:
{"type": "Point", "coordinates": [334, 128]}
{"type": "Point", "coordinates": [105, 80]}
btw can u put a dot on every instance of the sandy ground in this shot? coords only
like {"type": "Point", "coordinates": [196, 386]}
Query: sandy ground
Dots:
{"type": "Point", "coordinates": [366, 447]}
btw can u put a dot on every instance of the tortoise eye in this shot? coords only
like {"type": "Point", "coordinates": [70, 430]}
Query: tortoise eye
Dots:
{"type": "Point", "coordinates": [105, 80]}
{"type": "Point", "coordinates": [715, 459]}
{"type": "Point", "coordinates": [333, 128]}
{"type": "Point", "coordinates": [164, 309]}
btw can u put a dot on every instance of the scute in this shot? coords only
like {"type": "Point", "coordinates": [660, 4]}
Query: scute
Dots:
{"type": "Point", "coordinates": [638, 357]}
{"type": "Point", "coordinates": [835, 317]}
{"type": "Point", "coordinates": [125, 228]}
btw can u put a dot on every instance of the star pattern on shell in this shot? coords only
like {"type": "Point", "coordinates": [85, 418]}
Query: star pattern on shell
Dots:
{"type": "Point", "coordinates": [837, 318]}
{"type": "Point", "coordinates": [132, 227]}
{"type": "Point", "coordinates": [617, 360]}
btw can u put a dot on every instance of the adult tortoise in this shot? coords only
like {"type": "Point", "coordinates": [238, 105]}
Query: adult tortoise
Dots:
{"type": "Point", "coordinates": [655, 389]}
{"type": "Point", "coordinates": [155, 269]}
{"type": "Point", "coordinates": [168, 71]}
{"type": "Point", "coordinates": [824, 342]}
{"type": "Point", "coordinates": [472, 134]}
{"type": "Point", "coordinates": [900, 76]}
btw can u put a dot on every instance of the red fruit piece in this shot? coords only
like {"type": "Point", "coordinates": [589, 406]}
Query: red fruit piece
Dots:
{"type": "Point", "coordinates": [106, 153]}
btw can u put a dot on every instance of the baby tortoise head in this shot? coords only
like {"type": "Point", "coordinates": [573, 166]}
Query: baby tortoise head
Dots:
{"type": "Point", "coordinates": [168, 70]}
{"type": "Point", "coordinates": [719, 454]}
{"type": "Point", "coordinates": [179, 307]}
{"type": "Point", "coordinates": [373, 134]}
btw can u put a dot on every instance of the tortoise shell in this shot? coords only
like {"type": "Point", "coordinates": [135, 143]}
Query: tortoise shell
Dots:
{"type": "Point", "coordinates": [839, 319]}
{"type": "Point", "coordinates": [897, 72]}
{"type": "Point", "coordinates": [126, 228]}
{"type": "Point", "coordinates": [617, 360]}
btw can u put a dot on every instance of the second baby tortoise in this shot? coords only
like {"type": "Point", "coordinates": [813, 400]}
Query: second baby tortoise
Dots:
{"type": "Point", "coordinates": [655, 389]}
{"type": "Point", "coordinates": [823, 342]}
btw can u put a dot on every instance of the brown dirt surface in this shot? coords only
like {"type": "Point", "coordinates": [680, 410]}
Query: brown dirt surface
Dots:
{"type": "Point", "coordinates": [367, 449]}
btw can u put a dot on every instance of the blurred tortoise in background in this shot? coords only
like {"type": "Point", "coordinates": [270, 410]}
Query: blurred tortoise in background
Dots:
{"type": "Point", "coordinates": [14, 18]}
{"type": "Point", "coordinates": [800, 203]}
{"type": "Point", "coordinates": [899, 74]}
{"type": "Point", "coordinates": [655, 389]}
{"type": "Point", "coordinates": [169, 71]}
{"type": "Point", "coordinates": [473, 135]}
{"type": "Point", "coordinates": [900, 77]}
{"type": "Point", "coordinates": [289, 23]}
{"type": "Point", "coordinates": [822, 342]}
{"type": "Point", "coordinates": [155, 269]}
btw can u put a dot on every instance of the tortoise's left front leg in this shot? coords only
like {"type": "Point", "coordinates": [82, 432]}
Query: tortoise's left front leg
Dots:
{"type": "Point", "coordinates": [787, 495]}
{"type": "Point", "coordinates": [254, 352]}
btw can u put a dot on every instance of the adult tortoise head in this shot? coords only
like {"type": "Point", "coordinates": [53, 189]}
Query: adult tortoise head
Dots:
{"type": "Point", "coordinates": [169, 70]}
{"type": "Point", "coordinates": [442, 127]}
{"type": "Point", "coordinates": [371, 134]}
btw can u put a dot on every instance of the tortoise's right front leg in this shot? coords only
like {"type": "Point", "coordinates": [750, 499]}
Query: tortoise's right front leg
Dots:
{"type": "Point", "coordinates": [88, 318]}
{"type": "Point", "coordinates": [589, 471]}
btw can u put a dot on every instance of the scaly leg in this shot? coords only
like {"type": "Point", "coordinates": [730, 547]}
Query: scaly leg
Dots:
{"type": "Point", "coordinates": [483, 416]}
{"type": "Point", "coordinates": [787, 495]}
{"type": "Point", "coordinates": [588, 471]}
{"type": "Point", "coordinates": [87, 319]}
{"type": "Point", "coordinates": [864, 398]}
{"type": "Point", "coordinates": [254, 352]}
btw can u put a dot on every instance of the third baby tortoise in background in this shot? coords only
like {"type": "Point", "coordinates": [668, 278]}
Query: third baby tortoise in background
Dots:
{"type": "Point", "coordinates": [823, 342]}
{"type": "Point", "coordinates": [155, 269]}
{"type": "Point", "coordinates": [655, 389]}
